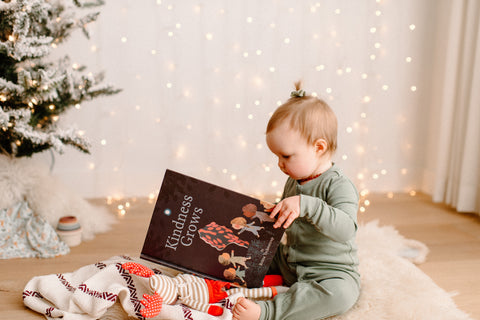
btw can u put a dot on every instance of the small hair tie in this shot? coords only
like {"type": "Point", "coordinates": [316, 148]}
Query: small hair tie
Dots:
{"type": "Point", "coordinates": [297, 93]}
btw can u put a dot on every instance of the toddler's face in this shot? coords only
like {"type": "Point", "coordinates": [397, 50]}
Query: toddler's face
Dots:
{"type": "Point", "coordinates": [296, 157]}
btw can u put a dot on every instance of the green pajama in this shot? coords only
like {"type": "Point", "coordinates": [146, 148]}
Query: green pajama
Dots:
{"type": "Point", "coordinates": [319, 261]}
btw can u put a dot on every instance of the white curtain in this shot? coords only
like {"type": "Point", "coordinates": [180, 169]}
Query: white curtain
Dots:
{"type": "Point", "coordinates": [453, 168]}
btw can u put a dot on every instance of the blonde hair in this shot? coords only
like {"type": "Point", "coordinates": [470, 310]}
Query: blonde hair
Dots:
{"type": "Point", "coordinates": [311, 116]}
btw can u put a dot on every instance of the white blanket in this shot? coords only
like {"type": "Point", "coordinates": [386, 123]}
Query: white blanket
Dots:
{"type": "Point", "coordinates": [89, 292]}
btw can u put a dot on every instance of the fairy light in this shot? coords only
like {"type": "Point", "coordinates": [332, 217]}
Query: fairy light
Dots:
{"type": "Point", "coordinates": [245, 109]}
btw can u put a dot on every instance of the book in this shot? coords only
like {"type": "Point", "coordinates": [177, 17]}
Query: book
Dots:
{"type": "Point", "coordinates": [207, 230]}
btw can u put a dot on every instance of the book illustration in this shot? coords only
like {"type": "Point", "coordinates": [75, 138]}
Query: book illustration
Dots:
{"type": "Point", "coordinates": [201, 228]}
{"type": "Point", "coordinates": [250, 211]}
{"type": "Point", "coordinates": [234, 275]}
{"type": "Point", "coordinates": [220, 237]}
{"type": "Point", "coordinates": [226, 259]}
{"type": "Point", "coordinates": [240, 223]}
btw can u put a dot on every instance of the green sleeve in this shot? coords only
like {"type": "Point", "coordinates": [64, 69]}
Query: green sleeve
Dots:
{"type": "Point", "coordinates": [336, 216]}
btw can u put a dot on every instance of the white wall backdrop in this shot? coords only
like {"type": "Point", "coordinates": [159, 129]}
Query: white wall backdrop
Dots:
{"type": "Point", "coordinates": [201, 78]}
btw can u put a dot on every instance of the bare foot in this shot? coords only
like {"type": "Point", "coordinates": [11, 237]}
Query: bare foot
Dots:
{"type": "Point", "coordinates": [246, 309]}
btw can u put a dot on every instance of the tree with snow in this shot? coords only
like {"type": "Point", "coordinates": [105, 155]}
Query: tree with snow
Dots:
{"type": "Point", "coordinates": [34, 92]}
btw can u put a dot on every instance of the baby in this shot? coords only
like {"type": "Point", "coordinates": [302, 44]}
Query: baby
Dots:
{"type": "Point", "coordinates": [319, 212]}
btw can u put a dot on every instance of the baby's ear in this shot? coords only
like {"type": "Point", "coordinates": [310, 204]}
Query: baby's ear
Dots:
{"type": "Point", "coordinates": [321, 146]}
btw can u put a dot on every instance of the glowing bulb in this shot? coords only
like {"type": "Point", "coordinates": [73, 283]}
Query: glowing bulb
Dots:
{"type": "Point", "coordinates": [209, 36]}
{"type": "Point", "coordinates": [412, 27]}
{"type": "Point", "coordinates": [123, 39]}
{"type": "Point", "coordinates": [249, 19]}
{"type": "Point", "coordinates": [364, 192]}
{"type": "Point", "coordinates": [413, 88]}
{"type": "Point", "coordinates": [408, 59]}
{"type": "Point", "coordinates": [320, 67]}
{"type": "Point", "coordinates": [286, 40]}
{"type": "Point", "coordinates": [373, 30]}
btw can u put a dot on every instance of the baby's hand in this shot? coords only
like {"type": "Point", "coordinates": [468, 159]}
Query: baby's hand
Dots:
{"type": "Point", "coordinates": [288, 210]}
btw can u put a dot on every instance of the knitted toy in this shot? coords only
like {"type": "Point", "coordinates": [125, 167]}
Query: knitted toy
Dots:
{"type": "Point", "coordinates": [192, 291]}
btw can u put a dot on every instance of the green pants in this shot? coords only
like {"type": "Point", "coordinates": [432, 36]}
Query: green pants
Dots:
{"type": "Point", "coordinates": [311, 296]}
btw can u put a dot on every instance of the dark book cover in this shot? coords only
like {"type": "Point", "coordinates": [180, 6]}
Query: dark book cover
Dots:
{"type": "Point", "coordinates": [210, 231]}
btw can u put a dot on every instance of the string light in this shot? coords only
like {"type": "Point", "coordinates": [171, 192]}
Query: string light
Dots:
{"type": "Point", "coordinates": [368, 100]}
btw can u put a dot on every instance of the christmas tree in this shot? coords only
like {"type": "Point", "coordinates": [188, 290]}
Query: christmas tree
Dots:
{"type": "Point", "coordinates": [34, 92]}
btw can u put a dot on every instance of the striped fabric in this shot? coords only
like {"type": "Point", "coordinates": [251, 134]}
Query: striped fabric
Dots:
{"type": "Point", "coordinates": [192, 291]}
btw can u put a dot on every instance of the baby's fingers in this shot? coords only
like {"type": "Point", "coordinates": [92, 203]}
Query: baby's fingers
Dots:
{"type": "Point", "coordinates": [275, 210]}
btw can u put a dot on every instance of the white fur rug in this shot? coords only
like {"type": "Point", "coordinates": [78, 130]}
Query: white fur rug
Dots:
{"type": "Point", "coordinates": [25, 178]}
{"type": "Point", "coordinates": [393, 288]}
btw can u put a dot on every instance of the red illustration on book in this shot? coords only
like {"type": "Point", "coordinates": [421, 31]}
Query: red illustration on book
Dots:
{"type": "Point", "coordinates": [220, 237]}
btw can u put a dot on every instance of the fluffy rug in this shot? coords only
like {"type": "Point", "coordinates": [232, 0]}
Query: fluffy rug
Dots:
{"type": "Point", "coordinates": [393, 288]}
{"type": "Point", "coordinates": [26, 179]}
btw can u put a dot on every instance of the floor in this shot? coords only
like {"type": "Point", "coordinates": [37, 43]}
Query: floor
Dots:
{"type": "Point", "coordinates": [453, 238]}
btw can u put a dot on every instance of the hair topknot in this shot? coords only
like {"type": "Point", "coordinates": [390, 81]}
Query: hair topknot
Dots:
{"type": "Point", "coordinates": [298, 92]}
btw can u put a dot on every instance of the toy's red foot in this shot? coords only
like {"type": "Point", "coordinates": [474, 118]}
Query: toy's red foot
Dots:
{"type": "Point", "coordinates": [215, 310]}
{"type": "Point", "coordinates": [153, 305]}
{"type": "Point", "coordinates": [138, 269]}
{"type": "Point", "coordinates": [271, 280]}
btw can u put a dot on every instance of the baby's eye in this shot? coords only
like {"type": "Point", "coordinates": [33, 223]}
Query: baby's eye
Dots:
{"type": "Point", "coordinates": [286, 156]}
